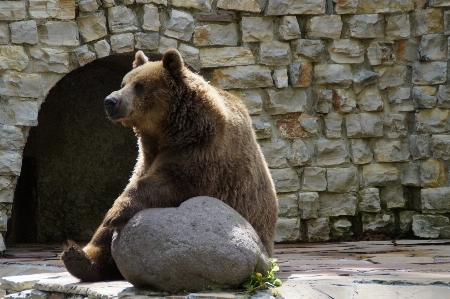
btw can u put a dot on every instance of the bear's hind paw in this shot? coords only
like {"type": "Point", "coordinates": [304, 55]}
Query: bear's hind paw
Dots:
{"type": "Point", "coordinates": [79, 264]}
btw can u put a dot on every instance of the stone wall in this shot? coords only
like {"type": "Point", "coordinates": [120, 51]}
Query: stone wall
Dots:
{"type": "Point", "coordinates": [349, 99]}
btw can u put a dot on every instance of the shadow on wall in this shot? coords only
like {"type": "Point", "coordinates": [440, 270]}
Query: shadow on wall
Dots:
{"type": "Point", "coordinates": [76, 162]}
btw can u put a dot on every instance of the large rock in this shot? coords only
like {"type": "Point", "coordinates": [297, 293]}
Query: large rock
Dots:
{"type": "Point", "coordinates": [201, 244]}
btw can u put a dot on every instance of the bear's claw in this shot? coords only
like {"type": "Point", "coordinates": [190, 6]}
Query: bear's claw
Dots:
{"type": "Point", "coordinates": [79, 264]}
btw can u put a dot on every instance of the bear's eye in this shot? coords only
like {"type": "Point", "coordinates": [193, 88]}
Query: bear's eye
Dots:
{"type": "Point", "coordinates": [139, 86]}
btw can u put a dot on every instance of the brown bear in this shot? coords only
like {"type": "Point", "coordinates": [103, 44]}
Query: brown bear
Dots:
{"type": "Point", "coordinates": [194, 140]}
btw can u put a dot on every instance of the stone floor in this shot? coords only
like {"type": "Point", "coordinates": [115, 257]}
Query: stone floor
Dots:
{"type": "Point", "coordinates": [410, 269]}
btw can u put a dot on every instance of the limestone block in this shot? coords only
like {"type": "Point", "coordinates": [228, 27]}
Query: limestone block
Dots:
{"type": "Point", "coordinates": [332, 152]}
{"type": "Point", "coordinates": [13, 58]}
{"type": "Point", "coordinates": [391, 76]}
{"type": "Point", "coordinates": [429, 73]}
{"type": "Point", "coordinates": [314, 179]}
{"type": "Point", "coordinates": [241, 5]}
{"type": "Point", "coordinates": [337, 204]}
{"type": "Point", "coordinates": [341, 228]}
{"type": "Point", "coordinates": [385, 6]}
{"type": "Point", "coordinates": [180, 26]}
{"type": "Point", "coordinates": [300, 74]}
{"type": "Point", "coordinates": [345, 7]}
{"type": "Point", "coordinates": [16, 84]}
{"type": "Point", "coordinates": [318, 230]}
{"type": "Point", "coordinates": [342, 179]}
{"type": "Point", "coordinates": [11, 138]}
{"type": "Point", "coordinates": [381, 53]}
{"type": "Point", "coordinates": [379, 174]}
{"type": "Point", "coordinates": [443, 96]}
{"type": "Point", "coordinates": [310, 124]}
{"type": "Point", "coordinates": [333, 125]}
{"type": "Point", "coordinates": [432, 173]}
{"type": "Point", "coordinates": [59, 33]}
{"type": "Point", "coordinates": [257, 29]}
{"type": "Point", "coordinates": [435, 200]}
{"type": "Point", "coordinates": [407, 49]}
{"type": "Point", "coordinates": [395, 125]}
{"type": "Point", "coordinates": [274, 53]}
{"type": "Point", "coordinates": [292, 7]}
{"type": "Point", "coordinates": [447, 22]}
{"type": "Point", "coordinates": [307, 50]}
{"type": "Point", "coordinates": [252, 76]}
{"type": "Point", "coordinates": [410, 174]}
{"type": "Point", "coordinates": [370, 99]}
{"type": "Point", "coordinates": [280, 78]}
{"type": "Point", "coordinates": [425, 96]}
{"type": "Point", "coordinates": [122, 19]}
{"type": "Point", "coordinates": [24, 32]}
{"type": "Point", "coordinates": [191, 56]}
{"type": "Point", "coordinates": [215, 34]}
{"type": "Point", "coordinates": [366, 26]}
{"type": "Point", "coordinates": [84, 56]}
{"type": "Point", "coordinates": [369, 200]}
{"type": "Point", "coordinates": [102, 48]}
{"type": "Point", "coordinates": [298, 154]}
{"type": "Point", "coordinates": [439, 3]}
{"type": "Point", "coordinates": [151, 18]}
{"type": "Point", "coordinates": [427, 21]}
{"type": "Point", "coordinates": [166, 43]}
{"type": "Point", "coordinates": [288, 205]}
{"type": "Point", "coordinates": [92, 26]}
{"type": "Point", "coordinates": [147, 41]}
{"type": "Point", "coordinates": [360, 151]}
{"type": "Point", "coordinates": [50, 60]}
{"type": "Point", "coordinates": [392, 197]}
{"type": "Point", "coordinates": [363, 78]}
{"type": "Point", "coordinates": [195, 4]}
{"type": "Point", "coordinates": [297, 125]}
{"type": "Point", "coordinates": [324, 100]}
{"type": "Point", "coordinates": [432, 120]}
{"type": "Point", "coordinates": [275, 152]}
{"type": "Point", "coordinates": [4, 33]}
{"type": "Point", "coordinates": [391, 150]}
{"type": "Point", "coordinates": [52, 9]}
{"type": "Point", "coordinates": [364, 125]}
{"type": "Point", "coordinates": [285, 180]}
{"type": "Point", "coordinates": [262, 129]}
{"type": "Point", "coordinates": [289, 28]}
{"type": "Point", "coordinates": [308, 205]}
{"type": "Point", "coordinates": [328, 26]}
{"type": "Point", "coordinates": [252, 100]}
{"type": "Point", "coordinates": [398, 27]}
{"type": "Point", "coordinates": [162, 2]}
{"type": "Point", "coordinates": [428, 226]}
{"type": "Point", "coordinates": [400, 99]}
{"type": "Point", "coordinates": [122, 43]}
{"type": "Point", "coordinates": [346, 51]}
{"type": "Point", "coordinates": [10, 162]}
{"type": "Point", "coordinates": [380, 222]}
{"type": "Point", "coordinates": [3, 221]}
{"type": "Point", "coordinates": [420, 146]}
{"type": "Point", "coordinates": [339, 74]}
{"type": "Point", "coordinates": [227, 56]}
{"type": "Point", "coordinates": [111, 3]}
{"type": "Point", "coordinates": [406, 219]}
{"type": "Point", "coordinates": [288, 230]}
{"type": "Point", "coordinates": [7, 186]}
{"type": "Point", "coordinates": [433, 47]}
{"type": "Point", "coordinates": [12, 10]}
{"type": "Point", "coordinates": [87, 5]}
{"type": "Point", "coordinates": [286, 100]}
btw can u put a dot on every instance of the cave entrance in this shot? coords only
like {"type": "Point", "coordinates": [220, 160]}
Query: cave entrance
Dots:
{"type": "Point", "coordinates": [75, 162]}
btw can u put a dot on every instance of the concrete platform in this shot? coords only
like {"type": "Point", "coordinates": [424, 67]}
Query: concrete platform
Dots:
{"type": "Point", "coordinates": [350, 270]}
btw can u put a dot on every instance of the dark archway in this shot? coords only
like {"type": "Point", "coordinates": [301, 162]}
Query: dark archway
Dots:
{"type": "Point", "coordinates": [76, 162]}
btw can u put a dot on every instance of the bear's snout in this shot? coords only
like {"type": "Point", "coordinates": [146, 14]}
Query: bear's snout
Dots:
{"type": "Point", "coordinates": [110, 105]}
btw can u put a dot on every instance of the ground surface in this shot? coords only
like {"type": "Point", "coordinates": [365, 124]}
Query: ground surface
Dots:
{"type": "Point", "coordinates": [371, 269]}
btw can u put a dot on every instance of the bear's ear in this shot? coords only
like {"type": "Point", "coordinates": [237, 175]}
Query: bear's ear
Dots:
{"type": "Point", "coordinates": [139, 59]}
{"type": "Point", "coordinates": [172, 61]}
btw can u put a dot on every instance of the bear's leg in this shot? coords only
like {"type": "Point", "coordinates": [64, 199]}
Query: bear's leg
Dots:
{"type": "Point", "coordinates": [94, 262]}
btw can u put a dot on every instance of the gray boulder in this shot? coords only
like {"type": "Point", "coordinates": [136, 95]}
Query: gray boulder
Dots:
{"type": "Point", "coordinates": [202, 244]}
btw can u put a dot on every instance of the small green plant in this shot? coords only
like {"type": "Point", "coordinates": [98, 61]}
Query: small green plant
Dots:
{"type": "Point", "coordinates": [258, 281]}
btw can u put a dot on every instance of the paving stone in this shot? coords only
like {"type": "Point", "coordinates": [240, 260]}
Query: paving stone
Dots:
{"type": "Point", "coordinates": [275, 153]}
{"type": "Point", "coordinates": [308, 205]}
{"type": "Point", "coordinates": [292, 7]}
{"type": "Point", "coordinates": [443, 96]}
{"type": "Point", "coordinates": [435, 200]}
{"type": "Point", "coordinates": [343, 100]}
{"type": "Point", "coordinates": [380, 222]}
{"type": "Point", "coordinates": [227, 56]}
{"type": "Point", "coordinates": [242, 77]}
{"type": "Point", "coordinates": [366, 26]}
{"type": "Point", "coordinates": [400, 99]}
{"type": "Point", "coordinates": [392, 197]}
{"type": "Point", "coordinates": [180, 26]}
{"type": "Point", "coordinates": [369, 200]}
{"type": "Point", "coordinates": [52, 9]}
{"type": "Point", "coordinates": [361, 152]}
{"type": "Point", "coordinates": [314, 179]}
{"type": "Point", "coordinates": [49, 60]}
{"type": "Point", "coordinates": [391, 76]}
{"type": "Point", "coordinates": [262, 129]}
{"type": "Point", "coordinates": [191, 56]}
{"type": "Point", "coordinates": [429, 73]}
{"type": "Point", "coordinates": [151, 20]}
{"type": "Point", "coordinates": [369, 99]}
{"type": "Point", "coordinates": [333, 125]}
{"type": "Point", "coordinates": [379, 174]}
{"type": "Point", "coordinates": [425, 96]}
{"type": "Point", "coordinates": [405, 220]}
{"type": "Point", "coordinates": [318, 230]}
{"type": "Point", "coordinates": [432, 173]}
{"type": "Point", "coordinates": [288, 205]}
{"type": "Point", "coordinates": [427, 21]}
{"type": "Point", "coordinates": [288, 230]}
{"type": "Point", "coordinates": [337, 204]}
{"type": "Point", "coordinates": [274, 53]}
{"type": "Point", "coordinates": [146, 41]}
{"type": "Point", "coordinates": [385, 6]}
{"type": "Point", "coordinates": [324, 27]}
{"type": "Point", "coordinates": [285, 180]}
{"type": "Point", "coordinates": [342, 179]}
{"type": "Point", "coordinates": [280, 78]}
{"type": "Point", "coordinates": [398, 26]}
{"type": "Point", "coordinates": [339, 74]}
{"type": "Point", "coordinates": [24, 32]}
{"type": "Point", "coordinates": [410, 175]}
{"type": "Point", "coordinates": [257, 29]}
{"type": "Point", "coordinates": [391, 150]}
{"type": "Point", "coordinates": [59, 33]}
{"type": "Point", "coordinates": [364, 125]}
{"type": "Point", "coordinates": [299, 154]}
{"type": "Point", "coordinates": [13, 58]}
{"type": "Point", "coordinates": [102, 48]}
{"type": "Point", "coordinates": [289, 28]}
{"type": "Point", "coordinates": [252, 100]}
{"type": "Point", "coordinates": [216, 34]}
{"type": "Point", "coordinates": [432, 120]}
{"type": "Point", "coordinates": [92, 26]}
{"type": "Point", "coordinates": [440, 146]}
{"type": "Point", "coordinates": [381, 53]}
{"type": "Point", "coordinates": [324, 100]}
{"type": "Point", "coordinates": [195, 4]}
{"type": "Point", "coordinates": [286, 100]}
{"type": "Point", "coordinates": [307, 50]}
{"type": "Point", "coordinates": [122, 43]}
{"type": "Point", "coordinates": [428, 226]}
{"type": "Point", "coordinates": [122, 19]}
{"type": "Point", "coordinates": [12, 10]}
{"type": "Point", "coordinates": [245, 5]}
{"type": "Point", "coordinates": [300, 74]}
{"type": "Point", "coordinates": [346, 51]}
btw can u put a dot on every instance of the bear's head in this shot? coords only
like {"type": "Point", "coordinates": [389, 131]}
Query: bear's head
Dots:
{"type": "Point", "coordinates": [144, 98]}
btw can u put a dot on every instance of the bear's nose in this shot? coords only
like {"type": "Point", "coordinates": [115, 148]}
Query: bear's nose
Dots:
{"type": "Point", "coordinates": [110, 104]}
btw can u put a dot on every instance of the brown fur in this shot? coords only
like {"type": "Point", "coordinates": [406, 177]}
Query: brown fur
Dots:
{"type": "Point", "coordinates": [194, 140]}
